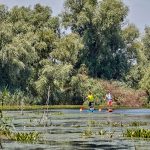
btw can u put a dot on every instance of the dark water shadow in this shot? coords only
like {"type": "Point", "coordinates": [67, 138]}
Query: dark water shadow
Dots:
{"type": "Point", "coordinates": [61, 131]}
{"type": "Point", "coordinates": [84, 145]}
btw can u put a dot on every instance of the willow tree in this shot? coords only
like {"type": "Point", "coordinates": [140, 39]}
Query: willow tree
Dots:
{"type": "Point", "coordinates": [27, 37]}
{"type": "Point", "coordinates": [99, 23]}
{"type": "Point", "coordinates": [145, 68]}
{"type": "Point", "coordinates": [57, 69]}
{"type": "Point", "coordinates": [139, 75]}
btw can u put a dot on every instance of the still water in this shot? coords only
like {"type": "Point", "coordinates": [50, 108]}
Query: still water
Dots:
{"type": "Point", "coordinates": [64, 129]}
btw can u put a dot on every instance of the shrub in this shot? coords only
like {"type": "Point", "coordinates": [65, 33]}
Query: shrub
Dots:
{"type": "Point", "coordinates": [17, 97]}
{"type": "Point", "coordinates": [81, 84]}
{"type": "Point", "coordinates": [123, 95]}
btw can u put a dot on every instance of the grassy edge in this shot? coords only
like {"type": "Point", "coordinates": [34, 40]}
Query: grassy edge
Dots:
{"type": "Point", "coordinates": [34, 107]}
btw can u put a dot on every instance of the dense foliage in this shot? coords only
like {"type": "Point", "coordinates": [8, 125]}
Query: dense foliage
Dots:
{"type": "Point", "coordinates": [38, 61]}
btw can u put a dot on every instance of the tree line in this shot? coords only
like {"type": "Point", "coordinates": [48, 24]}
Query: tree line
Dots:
{"type": "Point", "coordinates": [37, 55]}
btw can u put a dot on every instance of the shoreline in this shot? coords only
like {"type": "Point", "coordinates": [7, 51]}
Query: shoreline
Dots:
{"type": "Point", "coordinates": [35, 107]}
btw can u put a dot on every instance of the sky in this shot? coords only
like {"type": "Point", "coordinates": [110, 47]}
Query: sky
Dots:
{"type": "Point", "coordinates": [139, 10]}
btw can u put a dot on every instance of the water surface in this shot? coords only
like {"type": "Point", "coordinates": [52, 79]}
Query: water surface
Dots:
{"type": "Point", "coordinates": [64, 128]}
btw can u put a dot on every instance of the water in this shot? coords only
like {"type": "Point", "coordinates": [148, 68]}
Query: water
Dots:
{"type": "Point", "coordinates": [66, 128]}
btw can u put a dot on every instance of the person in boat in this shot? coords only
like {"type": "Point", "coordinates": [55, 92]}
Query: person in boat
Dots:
{"type": "Point", "coordinates": [90, 99]}
{"type": "Point", "coordinates": [108, 98]}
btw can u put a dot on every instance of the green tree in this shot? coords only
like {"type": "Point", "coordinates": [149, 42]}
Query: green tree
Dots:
{"type": "Point", "coordinates": [81, 84]}
{"type": "Point", "coordinates": [139, 76]}
{"type": "Point", "coordinates": [130, 36]}
{"type": "Point", "coordinates": [55, 76]}
{"type": "Point", "coordinates": [146, 43]}
{"type": "Point", "coordinates": [3, 12]}
{"type": "Point", "coordinates": [68, 49]}
{"type": "Point", "coordinates": [40, 15]}
{"type": "Point", "coordinates": [99, 24]}
{"type": "Point", "coordinates": [145, 68]}
{"type": "Point", "coordinates": [57, 69]}
{"type": "Point", "coordinates": [145, 82]}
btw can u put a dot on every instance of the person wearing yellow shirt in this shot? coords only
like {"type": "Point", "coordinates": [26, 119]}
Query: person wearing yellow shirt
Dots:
{"type": "Point", "coordinates": [90, 99]}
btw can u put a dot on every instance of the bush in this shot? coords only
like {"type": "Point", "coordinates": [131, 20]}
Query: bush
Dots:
{"type": "Point", "coordinates": [17, 97]}
{"type": "Point", "coordinates": [125, 96]}
{"type": "Point", "coordinates": [81, 84]}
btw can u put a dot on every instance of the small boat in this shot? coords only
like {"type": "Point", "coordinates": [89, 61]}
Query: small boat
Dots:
{"type": "Point", "coordinates": [89, 110]}
{"type": "Point", "coordinates": [110, 110]}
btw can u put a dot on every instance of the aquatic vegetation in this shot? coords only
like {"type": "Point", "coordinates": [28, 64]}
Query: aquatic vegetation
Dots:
{"type": "Point", "coordinates": [5, 131]}
{"type": "Point", "coordinates": [6, 127]}
{"type": "Point", "coordinates": [114, 124]}
{"type": "Point", "coordinates": [71, 130]}
{"type": "Point", "coordinates": [120, 124]}
{"type": "Point", "coordinates": [137, 123]}
{"type": "Point", "coordinates": [111, 134]}
{"type": "Point", "coordinates": [93, 123]}
{"type": "Point", "coordinates": [87, 133]}
{"type": "Point", "coordinates": [117, 124]}
{"type": "Point", "coordinates": [102, 132]}
{"type": "Point", "coordinates": [57, 113]}
{"type": "Point", "coordinates": [18, 136]}
{"type": "Point", "coordinates": [138, 133]}
{"type": "Point", "coordinates": [25, 137]}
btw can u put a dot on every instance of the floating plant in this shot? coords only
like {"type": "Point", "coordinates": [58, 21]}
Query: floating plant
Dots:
{"type": "Point", "coordinates": [138, 133]}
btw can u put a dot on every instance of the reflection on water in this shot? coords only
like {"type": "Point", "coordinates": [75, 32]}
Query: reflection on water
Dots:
{"type": "Point", "coordinates": [134, 111]}
{"type": "Point", "coordinates": [67, 127]}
